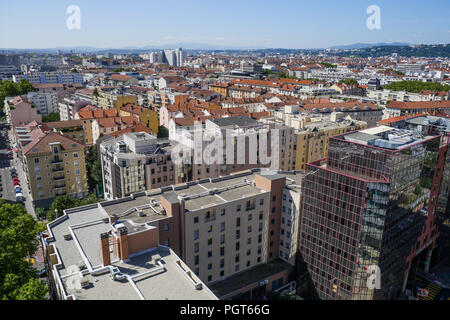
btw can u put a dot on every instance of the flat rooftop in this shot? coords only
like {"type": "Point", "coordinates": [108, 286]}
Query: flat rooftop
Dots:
{"type": "Point", "coordinates": [248, 277]}
{"type": "Point", "coordinates": [146, 278]}
{"type": "Point", "coordinates": [385, 137]}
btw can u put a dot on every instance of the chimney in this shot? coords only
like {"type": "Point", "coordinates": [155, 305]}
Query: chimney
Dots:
{"type": "Point", "coordinates": [106, 258]}
{"type": "Point", "coordinates": [123, 244]}
{"type": "Point", "coordinates": [113, 218]}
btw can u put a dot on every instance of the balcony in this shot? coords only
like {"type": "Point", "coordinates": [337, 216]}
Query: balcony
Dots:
{"type": "Point", "coordinates": [60, 177]}
{"type": "Point", "coordinates": [58, 169]}
{"type": "Point", "coordinates": [59, 186]}
{"type": "Point", "coordinates": [57, 161]}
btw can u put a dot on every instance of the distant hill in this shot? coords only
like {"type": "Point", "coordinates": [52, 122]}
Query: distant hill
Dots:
{"type": "Point", "coordinates": [367, 45]}
{"type": "Point", "coordinates": [426, 51]}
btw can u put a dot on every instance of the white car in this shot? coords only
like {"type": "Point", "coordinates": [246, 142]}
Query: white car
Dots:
{"type": "Point", "coordinates": [116, 274]}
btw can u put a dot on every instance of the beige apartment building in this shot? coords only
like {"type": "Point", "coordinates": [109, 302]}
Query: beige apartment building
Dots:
{"type": "Point", "coordinates": [313, 134]}
{"type": "Point", "coordinates": [112, 100]}
{"type": "Point", "coordinates": [55, 166]}
{"type": "Point", "coordinates": [227, 230]}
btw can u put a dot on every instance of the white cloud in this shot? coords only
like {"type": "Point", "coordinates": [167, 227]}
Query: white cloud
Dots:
{"type": "Point", "coordinates": [220, 38]}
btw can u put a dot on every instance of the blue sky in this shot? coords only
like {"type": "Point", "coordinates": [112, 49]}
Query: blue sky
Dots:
{"type": "Point", "coordinates": [243, 23]}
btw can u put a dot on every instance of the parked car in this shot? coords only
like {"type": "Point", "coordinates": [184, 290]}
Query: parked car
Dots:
{"type": "Point", "coordinates": [10, 156]}
{"type": "Point", "coordinates": [42, 273]}
{"type": "Point", "coordinates": [16, 184]}
{"type": "Point", "coordinates": [116, 274]}
{"type": "Point", "coordinates": [12, 170]}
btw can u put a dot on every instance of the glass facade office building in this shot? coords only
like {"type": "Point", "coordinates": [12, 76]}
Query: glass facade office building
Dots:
{"type": "Point", "coordinates": [365, 212]}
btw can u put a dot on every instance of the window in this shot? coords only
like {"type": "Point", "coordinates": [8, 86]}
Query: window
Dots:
{"type": "Point", "coordinates": [261, 215]}
{"type": "Point", "coordinates": [249, 252]}
{"type": "Point", "coordinates": [274, 198]}
{"type": "Point", "coordinates": [196, 234]}
{"type": "Point", "coordinates": [75, 155]}
{"type": "Point", "coordinates": [238, 222]}
{"type": "Point", "coordinates": [261, 202]}
{"type": "Point", "coordinates": [209, 266]}
{"type": "Point", "coordinates": [209, 254]}
{"type": "Point", "coordinates": [196, 247]}
{"type": "Point", "coordinates": [222, 251]}
{"type": "Point", "coordinates": [238, 246]}
{"type": "Point", "coordinates": [222, 263]}
{"type": "Point", "coordinates": [249, 241]}
{"type": "Point", "coordinates": [238, 234]}
{"type": "Point", "coordinates": [222, 212]}
{"type": "Point", "coordinates": [249, 229]}
{"type": "Point", "coordinates": [250, 217]}
{"type": "Point", "coordinates": [209, 278]}
{"type": "Point", "coordinates": [238, 208]}
{"type": "Point", "coordinates": [210, 228]}
{"type": "Point", "coordinates": [209, 241]}
{"type": "Point", "coordinates": [222, 239]}
{"type": "Point", "coordinates": [195, 219]}
{"type": "Point", "coordinates": [166, 227]}
{"type": "Point", "coordinates": [222, 227]}
{"type": "Point", "coordinates": [196, 260]}
{"type": "Point", "coordinates": [36, 160]}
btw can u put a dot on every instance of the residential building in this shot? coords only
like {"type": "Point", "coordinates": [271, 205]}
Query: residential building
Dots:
{"type": "Point", "coordinates": [50, 77]}
{"type": "Point", "coordinates": [226, 230]}
{"type": "Point", "coordinates": [20, 111]}
{"type": "Point", "coordinates": [147, 116]}
{"type": "Point", "coordinates": [90, 243]}
{"type": "Point", "coordinates": [55, 165]}
{"type": "Point", "coordinates": [105, 126]}
{"type": "Point", "coordinates": [135, 162]}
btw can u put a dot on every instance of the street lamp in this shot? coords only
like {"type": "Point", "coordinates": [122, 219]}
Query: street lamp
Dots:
{"type": "Point", "coordinates": [56, 212]}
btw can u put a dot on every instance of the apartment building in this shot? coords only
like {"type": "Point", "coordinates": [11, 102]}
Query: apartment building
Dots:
{"type": "Point", "coordinates": [106, 126]}
{"type": "Point", "coordinates": [135, 162]}
{"type": "Point", "coordinates": [226, 230]}
{"type": "Point", "coordinates": [84, 245]}
{"type": "Point", "coordinates": [89, 116]}
{"type": "Point", "coordinates": [397, 109]}
{"type": "Point", "coordinates": [147, 116]}
{"type": "Point", "coordinates": [112, 100]}
{"type": "Point", "coordinates": [68, 107]}
{"type": "Point", "coordinates": [50, 77]}
{"type": "Point", "coordinates": [55, 165]}
{"type": "Point", "coordinates": [237, 135]}
{"type": "Point", "coordinates": [313, 135]}
{"type": "Point", "coordinates": [45, 103]}
{"type": "Point", "coordinates": [369, 209]}
{"type": "Point", "coordinates": [19, 111]}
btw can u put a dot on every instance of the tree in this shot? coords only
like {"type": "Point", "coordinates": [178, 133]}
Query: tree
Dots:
{"type": "Point", "coordinates": [18, 240]}
{"type": "Point", "coordinates": [62, 203]}
{"type": "Point", "coordinates": [54, 116]}
{"type": "Point", "coordinates": [94, 168]}
{"type": "Point", "coordinates": [24, 86]}
{"type": "Point", "coordinates": [163, 132]}
{"type": "Point", "coordinates": [95, 93]}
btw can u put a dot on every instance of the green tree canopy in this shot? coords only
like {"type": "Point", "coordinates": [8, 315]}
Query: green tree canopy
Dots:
{"type": "Point", "coordinates": [18, 240]}
{"type": "Point", "coordinates": [416, 86]}
{"type": "Point", "coordinates": [54, 116]}
{"type": "Point", "coordinates": [163, 132]}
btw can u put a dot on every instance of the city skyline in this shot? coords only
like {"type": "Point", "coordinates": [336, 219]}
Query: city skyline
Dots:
{"type": "Point", "coordinates": [249, 24]}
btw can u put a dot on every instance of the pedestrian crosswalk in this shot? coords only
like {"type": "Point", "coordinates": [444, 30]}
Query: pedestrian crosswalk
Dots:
{"type": "Point", "coordinates": [433, 289]}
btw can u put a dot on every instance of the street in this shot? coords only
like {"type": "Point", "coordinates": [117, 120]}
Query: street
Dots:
{"type": "Point", "coordinates": [8, 192]}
